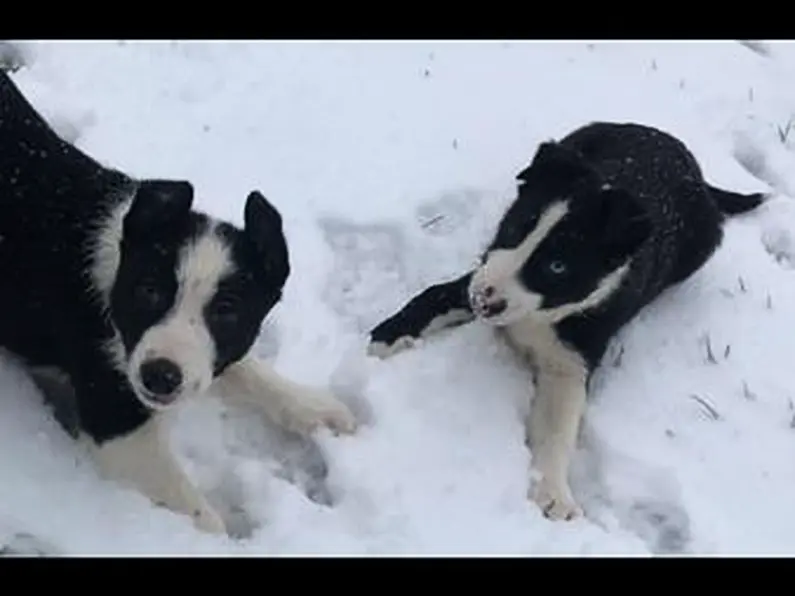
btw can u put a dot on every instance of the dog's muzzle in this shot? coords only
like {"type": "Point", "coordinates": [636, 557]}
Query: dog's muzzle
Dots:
{"type": "Point", "coordinates": [486, 304]}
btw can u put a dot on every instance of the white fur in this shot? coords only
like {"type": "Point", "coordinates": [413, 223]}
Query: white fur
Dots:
{"type": "Point", "coordinates": [253, 383]}
{"type": "Point", "coordinates": [143, 461]}
{"type": "Point", "coordinates": [105, 247]}
{"type": "Point", "coordinates": [557, 409]}
{"type": "Point", "coordinates": [561, 374]}
{"type": "Point", "coordinates": [104, 252]}
{"type": "Point", "coordinates": [444, 321]}
{"type": "Point", "coordinates": [182, 336]}
{"type": "Point", "coordinates": [382, 350]}
{"type": "Point", "coordinates": [559, 401]}
{"type": "Point", "coordinates": [501, 269]}
{"type": "Point", "coordinates": [604, 289]}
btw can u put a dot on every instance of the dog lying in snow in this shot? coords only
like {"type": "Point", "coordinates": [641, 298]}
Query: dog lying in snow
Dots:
{"type": "Point", "coordinates": [604, 221]}
{"type": "Point", "coordinates": [139, 300]}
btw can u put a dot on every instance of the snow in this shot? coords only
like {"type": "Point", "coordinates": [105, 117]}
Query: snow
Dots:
{"type": "Point", "coordinates": [391, 163]}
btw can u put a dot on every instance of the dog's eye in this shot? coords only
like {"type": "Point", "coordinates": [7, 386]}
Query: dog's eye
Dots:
{"type": "Point", "coordinates": [224, 313]}
{"type": "Point", "coordinates": [557, 267]}
{"type": "Point", "coordinates": [148, 294]}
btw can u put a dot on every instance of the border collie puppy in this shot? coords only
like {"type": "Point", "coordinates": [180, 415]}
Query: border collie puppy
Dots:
{"type": "Point", "coordinates": [605, 220]}
{"type": "Point", "coordinates": [139, 301]}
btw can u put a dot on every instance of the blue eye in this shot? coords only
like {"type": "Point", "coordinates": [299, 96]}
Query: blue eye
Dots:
{"type": "Point", "coordinates": [557, 267]}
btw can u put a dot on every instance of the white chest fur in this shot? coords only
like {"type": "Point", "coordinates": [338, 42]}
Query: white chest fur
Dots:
{"type": "Point", "coordinates": [539, 343]}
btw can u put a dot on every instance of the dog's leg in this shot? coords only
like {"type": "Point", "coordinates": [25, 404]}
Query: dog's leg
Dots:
{"type": "Point", "coordinates": [439, 307]}
{"type": "Point", "coordinates": [142, 460]}
{"type": "Point", "coordinates": [299, 408]}
{"type": "Point", "coordinates": [552, 429]}
{"type": "Point", "coordinates": [128, 443]}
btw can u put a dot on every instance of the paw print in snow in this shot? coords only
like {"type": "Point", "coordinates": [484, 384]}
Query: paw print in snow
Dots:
{"type": "Point", "coordinates": [778, 243]}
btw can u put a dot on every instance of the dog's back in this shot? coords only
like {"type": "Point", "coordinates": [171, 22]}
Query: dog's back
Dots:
{"type": "Point", "coordinates": [52, 198]}
{"type": "Point", "coordinates": [38, 169]}
{"type": "Point", "coordinates": [686, 213]}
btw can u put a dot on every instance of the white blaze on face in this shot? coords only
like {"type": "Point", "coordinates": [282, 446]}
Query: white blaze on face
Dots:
{"type": "Point", "coordinates": [501, 270]}
{"type": "Point", "coordinates": [182, 336]}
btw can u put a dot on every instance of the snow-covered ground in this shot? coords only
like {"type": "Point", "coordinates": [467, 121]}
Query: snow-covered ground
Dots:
{"type": "Point", "coordinates": [391, 163]}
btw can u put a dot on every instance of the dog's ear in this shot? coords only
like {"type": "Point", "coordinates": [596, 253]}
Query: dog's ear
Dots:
{"type": "Point", "coordinates": [623, 221]}
{"type": "Point", "coordinates": [263, 227]}
{"type": "Point", "coordinates": [555, 166]}
{"type": "Point", "coordinates": [158, 203]}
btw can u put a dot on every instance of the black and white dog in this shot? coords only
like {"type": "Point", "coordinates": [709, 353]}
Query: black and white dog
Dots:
{"type": "Point", "coordinates": [139, 301]}
{"type": "Point", "coordinates": [604, 221]}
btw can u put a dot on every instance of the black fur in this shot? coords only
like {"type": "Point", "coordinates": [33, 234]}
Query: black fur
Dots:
{"type": "Point", "coordinates": [54, 199]}
{"type": "Point", "coordinates": [633, 191]}
{"type": "Point", "coordinates": [413, 319]}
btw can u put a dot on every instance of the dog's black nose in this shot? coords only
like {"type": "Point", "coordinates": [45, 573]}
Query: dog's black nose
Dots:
{"type": "Point", "coordinates": [495, 308]}
{"type": "Point", "coordinates": [160, 377]}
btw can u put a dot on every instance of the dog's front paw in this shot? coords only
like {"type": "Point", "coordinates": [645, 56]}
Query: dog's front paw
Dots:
{"type": "Point", "coordinates": [555, 500]}
{"type": "Point", "coordinates": [207, 520]}
{"type": "Point", "coordinates": [315, 408]}
{"type": "Point", "coordinates": [383, 350]}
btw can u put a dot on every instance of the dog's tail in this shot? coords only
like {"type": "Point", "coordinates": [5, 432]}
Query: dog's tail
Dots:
{"type": "Point", "coordinates": [734, 203]}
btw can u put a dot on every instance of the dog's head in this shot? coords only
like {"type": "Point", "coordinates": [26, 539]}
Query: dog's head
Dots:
{"type": "Point", "coordinates": [190, 293]}
{"type": "Point", "coordinates": [562, 246]}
